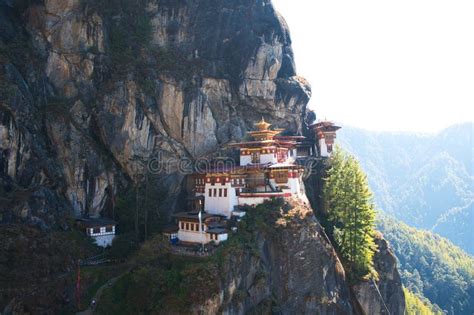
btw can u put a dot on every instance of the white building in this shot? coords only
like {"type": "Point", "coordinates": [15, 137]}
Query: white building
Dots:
{"type": "Point", "coordinates": [326, 134]}
{"type": "Point", "coordinates": [268, 169]}
{"type": "Point", "coordinates": [210, 228]}
{"type": "Point", "coordinates": [102, 231]}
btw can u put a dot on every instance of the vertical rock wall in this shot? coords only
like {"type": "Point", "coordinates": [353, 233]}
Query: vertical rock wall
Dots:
{"type": "Point", "coordinates": [204, 75]}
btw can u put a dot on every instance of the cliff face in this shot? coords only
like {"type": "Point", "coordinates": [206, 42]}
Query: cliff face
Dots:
{"type": "Point", "coordinates": [83, 96]}
{"type": "Point", "coordinates": [90, 88]}
{"type": "Point", "coordinates": [279, 262]}
{"type": "Point", "coordinates": [384, 296]}
{"type": "Point", "coordinates": [296, 269]}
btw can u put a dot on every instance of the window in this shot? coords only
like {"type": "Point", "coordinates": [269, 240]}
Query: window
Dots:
{"type": "Point", "coordinates": [225, 192]}
{"type": "Point", "coordinates": [220, 192]}
{"type": "Point", "coordinates": [187, 226]}
{"type": "Point", "coordinates": [215, 192]}
{"type": "Point", "coordinates": [281, 177]}
{"type": "Point", "coordinates": [182, 225]}
{"type": "Point", "coordinates": [96, 230]}
{"type": "Point", "coordinates": [237, 192]}
{"type": "Point", "coordinates": [255, 157]}
{"type": "Point", "coordinates": [108, 229]}
{"type": "Point", "coordinates": [210, 192]}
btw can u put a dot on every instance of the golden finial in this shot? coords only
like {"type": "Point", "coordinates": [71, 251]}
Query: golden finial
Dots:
{"type": "Point", "coordinates": [262, 125]}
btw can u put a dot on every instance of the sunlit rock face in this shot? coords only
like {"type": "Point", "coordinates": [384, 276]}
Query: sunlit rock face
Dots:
{"type": "Point", "coordinates": [75, 119]}
{"type": "Point", "coordinates": [293, 270]}
{"type": "Point", "coordinates": [384, 296]}
{"type": "Point", "coordinates": [79, 113]}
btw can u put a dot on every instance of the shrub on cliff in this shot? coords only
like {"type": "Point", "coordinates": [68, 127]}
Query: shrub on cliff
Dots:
{"type": "Point", "coordinates": [417, 305]}
{"type": "Point", "coordinates": [351, 213]}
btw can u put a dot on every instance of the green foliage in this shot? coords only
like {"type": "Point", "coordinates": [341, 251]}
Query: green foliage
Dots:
{"type": "Point", "coordinates": [150, 199]}
{"type": "Point", "coordinates": [351, 213]}
{"type": "Point", "coordinates": [130, 34]}
{"type": "Point", "coordinates": [147, 85]}
{"type": "Point", "coordinates": [129, 30]}
{"type": "Point", "coordinates": [123, 246]}
{"type": "Point", "coordinates": [93, 277]}
{"type": "Point", "coordinates": [125, 211]}
{"type": "Point", "coordinates": [172, 60]}
{"type": "Point", "coordinates": [161, 281]}
{"type": "Point", "coordinates": [424, 180]}
{"type": "Point", "coordinates": [432, 266]}
{"type": "Point", "coordinates": [416, 305]}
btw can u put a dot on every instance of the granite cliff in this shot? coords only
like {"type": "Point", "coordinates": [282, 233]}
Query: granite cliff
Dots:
{"type": "Point", "coordinates": [83, 95]}
{"type": "Point", "coordinates": [90, 89]}
{"type": "Point", "coordinates": [280, 262]}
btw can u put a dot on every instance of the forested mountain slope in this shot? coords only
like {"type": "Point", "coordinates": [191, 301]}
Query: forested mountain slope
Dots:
{"type": "Point", "coordinates": [432, 266]}
{"type": "Point", "coordinates": [424, 180]}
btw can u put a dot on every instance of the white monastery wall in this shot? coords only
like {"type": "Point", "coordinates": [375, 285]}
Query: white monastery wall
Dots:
{"type": "Point", "coordinates": [323, 148]}
{"type": "Point", "coordinates": [245, 160]}
{"type": "Point", "coordinates": [222, 199]}
{"type": "Point", "coordinates": [104, 240]}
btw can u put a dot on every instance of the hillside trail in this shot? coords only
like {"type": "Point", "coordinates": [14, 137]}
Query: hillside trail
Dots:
{"type": "Point", "coordinates": [90, 310]}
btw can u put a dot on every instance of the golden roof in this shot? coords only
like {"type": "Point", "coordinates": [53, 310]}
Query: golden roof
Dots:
{"type": "Point", "coordinates": [262, 125]}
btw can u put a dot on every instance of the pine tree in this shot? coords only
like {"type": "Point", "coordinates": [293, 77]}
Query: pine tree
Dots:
{"type": "Point", "coordinates": [351, 213]}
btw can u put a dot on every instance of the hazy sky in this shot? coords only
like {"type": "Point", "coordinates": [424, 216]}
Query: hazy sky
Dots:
{"type": "Point", "coordinates": [386, 65]}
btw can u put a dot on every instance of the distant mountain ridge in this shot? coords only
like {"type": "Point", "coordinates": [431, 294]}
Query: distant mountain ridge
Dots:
{"type": "Point", "coordinates": [431, 265]}
{"type": "Point", "coordinates": [424, 180]}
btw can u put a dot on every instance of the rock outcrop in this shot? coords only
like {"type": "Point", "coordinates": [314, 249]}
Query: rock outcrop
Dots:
{"type": "Point", "coordinates": [297, 269]}
{"type": "Point", "coordinates": [280, 262]}
{"type": "Point", "coordinates": [92, 90]}
{"type": "Point", "coordinates": [82, 97]}
{"type": "Point", "coordinates": [384, 296]}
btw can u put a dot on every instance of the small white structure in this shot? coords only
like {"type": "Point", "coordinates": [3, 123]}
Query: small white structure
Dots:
{"type": "Point", "coordinates": [102, 231]}
{"type": "Point", "coordinates": [326, 134]}
{"type": "Point", "coordinates": [209, 228]}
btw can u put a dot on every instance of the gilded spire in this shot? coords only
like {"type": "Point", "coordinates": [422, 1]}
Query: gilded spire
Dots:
{"type": "Point", "coordinates": [262, 125]}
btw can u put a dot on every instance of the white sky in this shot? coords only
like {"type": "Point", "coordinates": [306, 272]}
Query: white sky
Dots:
{"type": "Point", "coordinates": [386, 65]}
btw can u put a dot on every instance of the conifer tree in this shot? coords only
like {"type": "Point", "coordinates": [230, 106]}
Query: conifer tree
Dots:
{"type": "Point", "coordinates": [351, 212]}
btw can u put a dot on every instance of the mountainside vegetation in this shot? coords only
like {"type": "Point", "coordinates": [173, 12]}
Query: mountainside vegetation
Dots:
{"type": "Point", "coordinates": [351, 213]}
{"type": "Point", "coordinates": [432, 266]}
{"type": "Point", "coordinates": [424, 180]}
{"type": "Point", "coordinates": [416, 305]}
{"type": "Point", "coordinates": [243, 275]}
